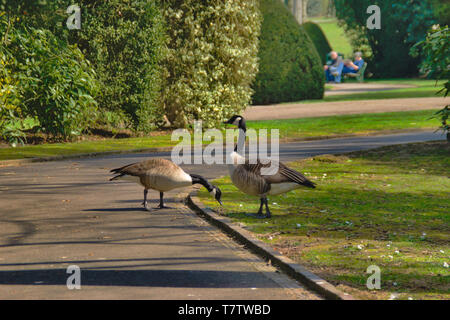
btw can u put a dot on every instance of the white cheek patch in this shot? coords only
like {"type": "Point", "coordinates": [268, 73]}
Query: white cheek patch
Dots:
{"type": "Point", "coordinates": [213, 192]}
{"type": "Point", "coordinates": [236, 122]}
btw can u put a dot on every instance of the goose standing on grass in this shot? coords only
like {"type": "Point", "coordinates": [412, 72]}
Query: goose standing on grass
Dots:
{"type": "Point", "coordinates": [248, 178]}
{"type": "Point", "coordinates": [162, 175]}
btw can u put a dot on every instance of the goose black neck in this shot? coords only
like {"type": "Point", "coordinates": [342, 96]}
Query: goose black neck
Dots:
{"type": "Point", "coordinates": [197, 179]}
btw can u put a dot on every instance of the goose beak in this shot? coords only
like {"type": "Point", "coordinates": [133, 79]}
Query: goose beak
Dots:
{"type": "Point", "coordinates": [220, 201]}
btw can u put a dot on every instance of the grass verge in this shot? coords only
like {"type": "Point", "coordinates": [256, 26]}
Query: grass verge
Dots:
{"type": "Point", "coordinates": [348, 124]}
{"type": "Point", "coordinates": [308, 128]}
{"type": "Point", "coordinates": [336, 36]}
{"type": "Point", "coordinates": [84, 147]}
{"type": "Point", "coordinates": [421, 89]}
{"type": "Point", "coordinates": [386, 207]}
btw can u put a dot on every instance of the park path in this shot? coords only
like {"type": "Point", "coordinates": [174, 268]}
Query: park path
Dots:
{"type": "Point", "coordinates": [355, 87]}
{"type": "Point", "coordinates": [57, 214]}
{"type": "Point", "coordinates": [320, 109]}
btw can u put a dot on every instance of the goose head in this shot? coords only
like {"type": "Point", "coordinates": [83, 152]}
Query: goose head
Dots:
{"type": "Point", "coordinates": [217, 194]}
{"type": "Point", "coordinates": [237, 121]}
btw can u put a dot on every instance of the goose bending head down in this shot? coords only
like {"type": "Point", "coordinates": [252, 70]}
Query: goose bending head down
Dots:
{"type": "Point", "coordinates": [250, 179]}
{"type": "Point", "coordinates": [162, 175]}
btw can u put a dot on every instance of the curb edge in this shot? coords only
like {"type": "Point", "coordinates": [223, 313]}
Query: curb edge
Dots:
{"type": "Point", "coordinates": [294, 270]}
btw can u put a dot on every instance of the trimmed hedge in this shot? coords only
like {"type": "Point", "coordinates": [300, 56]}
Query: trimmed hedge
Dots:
{"type": "Point", "coordinates": [290, 68]}
{"type": "Point", "coordinates": [319, 39]}
{"type": "Point", "coordinates": [212, 59]}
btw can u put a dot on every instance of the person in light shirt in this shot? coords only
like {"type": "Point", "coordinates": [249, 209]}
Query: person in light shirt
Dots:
{"type": "Point", "coordinates": [333, 68]}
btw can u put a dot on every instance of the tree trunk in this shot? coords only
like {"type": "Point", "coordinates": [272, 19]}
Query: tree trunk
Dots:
{"type": "Point", "coordinates": [299, 10]}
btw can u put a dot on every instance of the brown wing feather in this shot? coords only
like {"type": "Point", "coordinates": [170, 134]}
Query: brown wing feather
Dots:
{"type": "Point", "coordinates": [140, 168]}
{"type": "Point", "coordinates": [284, 173]}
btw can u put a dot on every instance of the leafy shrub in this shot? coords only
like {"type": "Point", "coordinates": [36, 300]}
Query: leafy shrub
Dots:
{"type": "Point", "coordinates": [441, 10]}
{"type": "Point", "coordinates": [290, 68]}
{"type": "Point", "coordinates": [319, 39]}
{"type": "Point", "coordinates": [12, 124]}
{"type": "Point", "coordinates": [212, 59]}
{"type": "Point", "coordinates": [124, 41]}
{"type": "Point", "coordinates": [44, 79]}
{"type": "Point", "coordinates": [436, 52]}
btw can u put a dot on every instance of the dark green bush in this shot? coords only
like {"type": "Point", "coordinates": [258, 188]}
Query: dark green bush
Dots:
{"type": "Point", "coordinates": [124, 41]}
{"type": "Point", "coordinates": [441, 10]}
{"type": "Point", "coordinates": [319, 39]}
{"type": "Point", "coordinates": [44, 82]}
{"type": "Point", "coordinates": [212, 59]}
{"type": "Point", "coordinates": [290, 68]}
{"type": "Point", "coordinates": [403, 23]}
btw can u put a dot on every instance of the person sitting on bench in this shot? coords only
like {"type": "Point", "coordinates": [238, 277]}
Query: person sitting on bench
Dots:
{"type": "Point", "coordinates": [353, 67]}
{"type": "Point", "coordinates": [333, 69]}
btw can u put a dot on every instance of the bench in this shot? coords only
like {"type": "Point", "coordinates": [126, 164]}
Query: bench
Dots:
{"type": "Point", "coordinates": [359, 76]}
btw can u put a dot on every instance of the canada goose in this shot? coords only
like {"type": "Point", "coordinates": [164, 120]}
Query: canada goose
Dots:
{"type": "Point", "coordinates": [248, 178]}
{"type": "Point", "coordinates": [162, 175]}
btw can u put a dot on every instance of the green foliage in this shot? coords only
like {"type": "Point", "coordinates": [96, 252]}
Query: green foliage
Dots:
{"type": "Point", "coordinates": [404, 22]}
{"type": "Point", "coordinates": [12, 129]}
{"type": "Point", "coordinates": [441, 10]}
{"type": "Point", "coordinates": [436, 52]}
{"type": "Point", "coordinates": [44, 78]}
{"type": "Point", "coordinates": [319, 39]}
{"type": "Point", "coordinates": [290, 67]}
{"type": "Point", "coordinates": [124, 41]}
{"type": "Point", "coordinates": [444, 115]}
{"type": "Point", "coordinates": [211, 60]}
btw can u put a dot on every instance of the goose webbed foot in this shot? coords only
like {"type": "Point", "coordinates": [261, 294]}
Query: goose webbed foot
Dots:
{"type": "Point", "coordinates": [161, 202]}
{"type": "Point", "coordinates": [260, 215]}
{"type": "Point", "coordinates": [257, 215]}
{"type": "Point", "coordinates": [163, 207]}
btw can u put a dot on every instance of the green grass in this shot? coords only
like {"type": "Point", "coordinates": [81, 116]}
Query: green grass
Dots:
{"type": "Point", "coordinates": [386, 207]}
{"type": "Point", "coordinates": [348, 124]}
{"type": "Point", "coordinates": [83, 147]}
{"type": "Point", "coordinates": [309, 128]}
{"type": "Point", "coordinates": [336, 36]}
{"type": "Point", "coordinates": [422, 89]}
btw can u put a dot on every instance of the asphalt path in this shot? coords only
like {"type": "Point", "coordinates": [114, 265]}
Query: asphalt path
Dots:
{"type": "Point", "coordinates": [66, 213]}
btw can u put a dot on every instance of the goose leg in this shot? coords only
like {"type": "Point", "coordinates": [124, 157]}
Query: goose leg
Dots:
{"type": "Point", "coordinates": [161, 201]}
{"type": "Point", "coordinates": [268, 214]}
{"type": "Point", "coordinates": [145, 200]}
{"type": "Point", "coordinates": [259, 214]}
